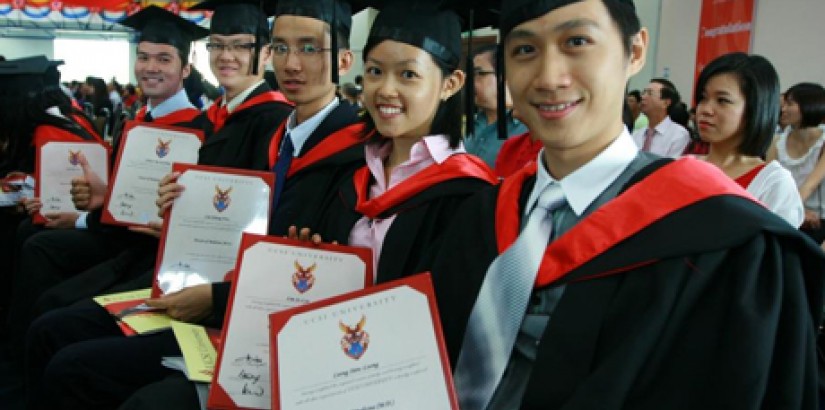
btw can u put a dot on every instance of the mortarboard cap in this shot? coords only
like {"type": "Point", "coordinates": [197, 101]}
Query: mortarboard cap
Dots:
{"type": "Point", "coordinates": [423, 24]}
{"type": "Point", "coordinates": [237, 17]}
{"type": "Point", "coordinates": [232, 17]}
{"type": "Point", "coordinates": [28, 75]}
{"type": "Point", "coordinates": [157, 25]}
{"type": "Point", "coordinates": [336, 13]}
{"type": "Point", "coordinates": [515, 12]}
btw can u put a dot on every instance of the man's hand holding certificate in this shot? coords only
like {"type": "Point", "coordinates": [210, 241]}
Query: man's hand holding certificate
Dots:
{"type": "Point", "coordinates": [146, 155]}
{"type": "Point", "coordinates": [57, 164]}
{"type": "Point", "coordinates": [202, 230]}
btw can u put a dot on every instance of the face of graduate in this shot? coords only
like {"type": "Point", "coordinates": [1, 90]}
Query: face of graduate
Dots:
{"type": "Point", "coordinates": [790, 114]}
{"type": "Point", "coordinates": [567, 72]}
{"type": "Point", "coordinates": [720, 113]}
{"type": "Point", "coordinates": [301, 58]}
{"type": "Point", "coordinates": [159, 71]}
{"type": "Point", "coordinates": [232, 66]}
{"type": "Point", "coordinates": [403, 87]}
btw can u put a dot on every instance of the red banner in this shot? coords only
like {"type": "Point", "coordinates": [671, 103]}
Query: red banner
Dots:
{"type": "Point", "coordinates": [725, 27]}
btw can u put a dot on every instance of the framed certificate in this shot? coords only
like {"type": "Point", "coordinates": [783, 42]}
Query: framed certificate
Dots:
{"type": "Point", "coordinates": [146, 155]}
{"type": "Point", "coordinates": [202, 230]}
{"type": "Point", "coordinates": [274, 274]}
{"type": "Point", "coordinates": [57, 163]}
{"type": "Point", "coordinates": [377, 348]}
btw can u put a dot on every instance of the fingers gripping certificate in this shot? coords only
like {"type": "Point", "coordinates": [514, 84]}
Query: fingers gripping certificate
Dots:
{"type": "Point", "coordinates": [57, 164]}
{"type": "Point", "coordinates": [379, 348]}
{"type": "Point", "coordinates": [274, 274]}
{"type": "Point", "coordinates": [145, 157]}
{"type": "Point", "coordinates": [202, 231]}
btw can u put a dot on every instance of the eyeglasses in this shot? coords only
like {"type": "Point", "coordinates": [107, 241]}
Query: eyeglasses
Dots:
{"type": "Point", "coordinates": [481, 73]}
{"type": "Point", "coordinates": [305, 50]}
{"type": "Point", "coordinates": [234, 48]}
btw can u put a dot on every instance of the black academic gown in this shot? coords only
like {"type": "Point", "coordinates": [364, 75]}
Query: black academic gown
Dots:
{"type": "Point", "coordinates": [419, 224]}
{"type": "Point", "coordinates": [714, 305]}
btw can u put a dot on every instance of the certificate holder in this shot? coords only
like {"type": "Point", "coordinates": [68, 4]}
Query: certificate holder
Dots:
{"type": "Point", "coordinates": [202, 230]}
{"type": "Point", "coordinates": [57, 163]}
{"type": "Point", "coordinates": [146, 155]}
{"type": "Point", "coordinates": [378, 348]}
{"type": "Point", "coordinates": [274, 274]}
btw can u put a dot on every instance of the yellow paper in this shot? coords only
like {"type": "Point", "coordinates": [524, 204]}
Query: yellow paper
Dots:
{"type": "Point", "coordinates": [198, 353]}
{"type": "Point", "coordinates": [123, 296]}
{"type": "Point", "coordinates": [147, 322]}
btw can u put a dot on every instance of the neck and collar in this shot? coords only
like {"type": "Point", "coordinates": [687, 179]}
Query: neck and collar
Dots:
{"type": "Point", "coordinates": [178, 101]}
{"type": "Point", "coordinates": [304, 112]}
{"type": "Point", "coordinates": [586, 182]}
{"type": "Point", "coordinates": [232, 102]}
{"type": "Point", "coordinates": [154, 102]}
{"type": "Point", "coordinates": [655, 118]}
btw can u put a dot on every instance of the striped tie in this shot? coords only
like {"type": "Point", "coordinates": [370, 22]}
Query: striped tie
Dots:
{"type": "Point", "coordinates": [501, 305]}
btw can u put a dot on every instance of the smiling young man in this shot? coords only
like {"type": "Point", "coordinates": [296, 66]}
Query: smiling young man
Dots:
{"type": "Point", "coordinates": [602, 277]}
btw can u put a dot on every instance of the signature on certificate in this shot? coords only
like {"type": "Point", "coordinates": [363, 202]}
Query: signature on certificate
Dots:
{"type": "Point", "coordinates": [250, 360]}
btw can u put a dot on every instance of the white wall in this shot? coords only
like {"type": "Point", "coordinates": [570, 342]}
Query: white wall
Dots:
{"type": "Point", "coordinates": [12, 48]}
{"type": "Point", "coordinates": [361, 23]}
{"type": "Point", "coordinates": [649, 13]}
{"type": "Point", "coordinates": [789, 33]}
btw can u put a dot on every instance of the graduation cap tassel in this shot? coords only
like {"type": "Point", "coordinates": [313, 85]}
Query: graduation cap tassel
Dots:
{"type": "Point", "coordinates": [501, 104]}
{"type": "Point", "coordinates": [469, 89]}
{"type": "Point", "coordinates": [334, 52]}
{"type": "Point", "coordinates": [258, 46]}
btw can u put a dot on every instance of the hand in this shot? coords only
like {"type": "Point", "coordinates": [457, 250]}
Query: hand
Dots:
{"type": "Point", "coordinates": [153, 228]}
{"type": "Point", "coordinates": [61, 220]}
{"type": "Point", "coordinates": [304, 234]}
{"type": "Point", "coordinates": [811, 220]}
{"type": "Point", "coordinates": [89, 191]}
{"type": "Point", "coordinates": [168, 190]}
{"type": "Point", "coordinates": [30, 205]}
{"type": "Point", "coordinates": [189, 305]}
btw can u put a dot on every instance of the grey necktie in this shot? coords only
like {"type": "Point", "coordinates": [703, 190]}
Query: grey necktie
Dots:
{"type": "Point", "coordinates": [501, 305]}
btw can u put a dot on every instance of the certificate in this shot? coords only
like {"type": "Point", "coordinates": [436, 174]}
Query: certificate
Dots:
{"type": "Point", "coordinates": [202, 230]}
{"type": "Point", "coordinates": [57, 164]}
{"type": "Point", "coordinates": [145, 157]}
{"type": "Point", "coordinates": [274, 274]}
{"type": "Point", "coordinates": [372, 349]}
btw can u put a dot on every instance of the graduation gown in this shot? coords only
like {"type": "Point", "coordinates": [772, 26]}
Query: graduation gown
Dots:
{"type": "Point", "coordinates": [240, 141]}
{"type": "Point", "coordinates": [424, 204]}
{"type": "Point", "coordinates": [684, 297]}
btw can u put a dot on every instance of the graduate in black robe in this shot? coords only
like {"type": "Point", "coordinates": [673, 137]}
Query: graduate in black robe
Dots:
{"type": "Point", "coordinates": [672, 289]}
